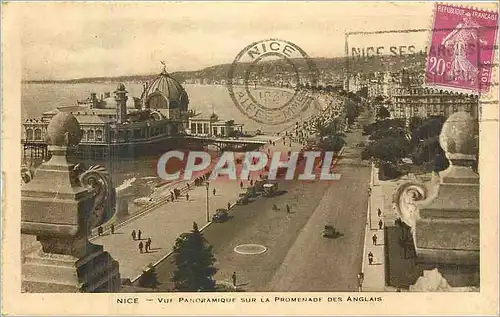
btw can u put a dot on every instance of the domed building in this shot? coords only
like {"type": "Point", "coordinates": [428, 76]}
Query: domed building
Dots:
{"type": "Point", "coordinates": [110, 126]}
{"type": "Point", "coordinates": [164, 92]}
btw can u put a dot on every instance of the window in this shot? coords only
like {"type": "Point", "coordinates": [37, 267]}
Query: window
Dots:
{"type": "Point", "coordinates": [38, 134]}
{"type": "Point", "coordinates": [111, 135]}
{"type": "Point", "coordinates": [98, 135]}
{"type": "Point", "coordinates": [193, 127]}
{"type": "Point", "coordinates": [29, 134]}
{"type": "Point", "coordinates": [206, 130]}
{"type": "Point", "coordinates": [84, 135]}
{"type": "Point", "coordinates": [90, 135]}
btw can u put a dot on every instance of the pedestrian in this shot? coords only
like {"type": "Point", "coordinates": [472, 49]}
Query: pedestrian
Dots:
{"type": "Point", "coordinates": [214, 191]}
{"type": "Point", "coordinates": [100, 231]}
{"type": "Point", "coordinates": [187, 186]}
{"type": "Point", "coordinates": [148, 245]}
{"type": "Point", "coordinates": [374, 239]}
{"type": "Point", "coordinates": [370, 258]}
{"type": "Point", "coordinates": [251, 182]}
{"type": "Point", "coordinates": [171, 196]}
{"type": "Point", "coordinates": [379, 212]}
{"type": "Point", "coordinates": [380, 224]}
{"type": "Point", "coordinates": [241, 184]}
{"type": "Point", "coordinates": [233, 277]}
{"type": "Point", "coordinates": [139, 235]}
{"type": "Point", "coordinates": [140, 246]}
{"type": "Point", "coordinates": [112, 228]}
{"type": "Point", "coordinates": [187, 196]}
{"type": "Point", "coordinates": [133, 235]}
{"type": "Point", "coordinates": [287, 208]}
{"type": "Point", "coordinates": [228, 205]}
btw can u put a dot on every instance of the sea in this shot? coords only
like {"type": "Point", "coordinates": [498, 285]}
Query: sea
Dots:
{"type": "Point", "coordinates": [137, 177]}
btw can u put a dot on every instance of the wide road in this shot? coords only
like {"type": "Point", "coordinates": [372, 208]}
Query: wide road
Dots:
{"type": "Point", "coordinates": [297, 257]}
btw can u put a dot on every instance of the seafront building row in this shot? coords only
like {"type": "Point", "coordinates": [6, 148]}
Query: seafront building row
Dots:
{"type": "Point", "coordinates": [404, 95]}
{"type": "Point", "coordinates": [114, 127]}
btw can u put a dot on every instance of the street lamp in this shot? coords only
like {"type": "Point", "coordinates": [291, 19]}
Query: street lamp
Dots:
{"type": "Point", "coordinates": [208, 214]}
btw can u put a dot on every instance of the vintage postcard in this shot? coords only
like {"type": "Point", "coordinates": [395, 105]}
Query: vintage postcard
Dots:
{"type": "Point", "coordinates": [250, 158]}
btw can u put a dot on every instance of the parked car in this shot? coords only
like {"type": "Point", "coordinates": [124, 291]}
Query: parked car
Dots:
{"type": "Point", "coordinates": [220, 215]}
{"type": "Point", "coordinates": [270, 189]}
{"type": "Point", "coordinates": [242, 199]}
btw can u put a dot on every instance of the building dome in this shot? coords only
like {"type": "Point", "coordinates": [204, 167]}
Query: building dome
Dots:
{"type": "Point", "coordinates": [164, 92]}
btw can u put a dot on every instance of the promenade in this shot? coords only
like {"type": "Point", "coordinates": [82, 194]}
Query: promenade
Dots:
{"type": "Point", "coordinates": [164, 223]}
{"type": "Point", "coordinates": [380, 199]}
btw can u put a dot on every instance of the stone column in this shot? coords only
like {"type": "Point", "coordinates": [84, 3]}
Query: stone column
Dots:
{"type": "Point", "coordinates": [444, 214]}
{"type": "Point", "coordinates": [60, 205]}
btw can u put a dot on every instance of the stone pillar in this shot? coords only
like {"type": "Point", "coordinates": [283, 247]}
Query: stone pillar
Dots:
{"type": "Point", "coordinates": [60, 205]}
{"type": "Point", "coordinates": [121, 103]}
{"type": "Point", "coordinates": [444, 214]}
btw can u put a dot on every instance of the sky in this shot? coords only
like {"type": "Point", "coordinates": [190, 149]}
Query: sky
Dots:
{"type": "Point", "coordinates": [74, 40]}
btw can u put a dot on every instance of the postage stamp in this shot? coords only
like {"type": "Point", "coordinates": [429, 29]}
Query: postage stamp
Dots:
{"type": "Point", "coordinates": [462, 48]}
{"type": "Point", "coordinates": [265, 79]}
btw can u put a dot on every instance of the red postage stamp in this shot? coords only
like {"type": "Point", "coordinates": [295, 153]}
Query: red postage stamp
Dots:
{"type": "Point", "coordinates": [462, 48]}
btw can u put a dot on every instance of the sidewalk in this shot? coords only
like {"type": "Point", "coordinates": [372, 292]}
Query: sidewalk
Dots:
{"type": "Point", "coordinates": [163, 225]}
{"type": "Point", "coordinates": [380, 198]}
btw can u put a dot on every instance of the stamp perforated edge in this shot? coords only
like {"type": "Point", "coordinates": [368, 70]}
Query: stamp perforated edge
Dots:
{"type": "Point", "coordinates": [492, 93]}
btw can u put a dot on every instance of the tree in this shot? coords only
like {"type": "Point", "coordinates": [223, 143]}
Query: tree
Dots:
{"type": "Point", "coordinates": [379, 99]}
{"type": "Point", "coordinates": [194, 261]}
{"type": "Point", "coordinates": [332, 143]}
{"type": "Point", "coordinates": [149, 278]}
{"type": "Point", "coordinates": [388, 149]}
{"type": "Point", "coordinates": [383, 113]}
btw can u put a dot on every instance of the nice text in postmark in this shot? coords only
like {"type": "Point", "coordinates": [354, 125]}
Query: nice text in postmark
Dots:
{"type": "Point", "coordinates": [265, 79]}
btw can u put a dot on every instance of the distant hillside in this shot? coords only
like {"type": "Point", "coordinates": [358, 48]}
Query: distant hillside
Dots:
{"type": "Point", "coordinates": [328, 68]}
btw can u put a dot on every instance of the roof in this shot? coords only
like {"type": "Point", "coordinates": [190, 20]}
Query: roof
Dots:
{"type": "Point", "coordinates": [269, 185]}
{"type": "Point", "coordinates": [93, 119]}
{"type": "Point", "coordinates": [170, 88]}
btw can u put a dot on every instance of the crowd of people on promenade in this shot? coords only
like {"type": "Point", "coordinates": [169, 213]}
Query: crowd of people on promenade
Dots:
{"type": "Point", "coordinates": [305, 131]}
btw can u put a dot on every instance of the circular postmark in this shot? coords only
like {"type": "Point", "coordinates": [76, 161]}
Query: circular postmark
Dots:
{"type": "Point", "coordinates": [265, 79]}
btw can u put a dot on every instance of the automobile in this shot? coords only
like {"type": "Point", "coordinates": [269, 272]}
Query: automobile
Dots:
{"type": "Point", "coordinates": [242, 199]}
{"type": "Point", "coordinates": [220, 215]}
{"type": "Point", "coordinates": [330, 232]}
{"type": "Point", "coordinates": [270, 189]}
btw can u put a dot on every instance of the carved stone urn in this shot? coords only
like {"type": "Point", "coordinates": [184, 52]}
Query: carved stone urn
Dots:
{"type": "Point", "coordinates": [60, 205]}
{"type": "Point", "coordinates": [443, 214]}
